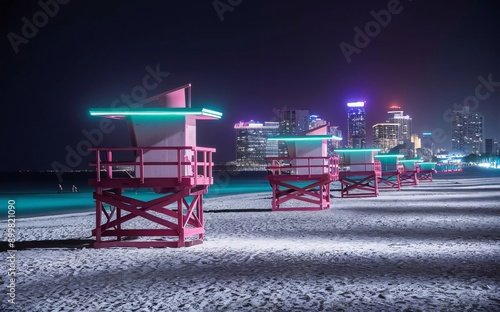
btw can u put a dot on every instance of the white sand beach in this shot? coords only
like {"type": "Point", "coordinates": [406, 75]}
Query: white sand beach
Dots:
{"type": "Point", "coordinates": [433, 247]}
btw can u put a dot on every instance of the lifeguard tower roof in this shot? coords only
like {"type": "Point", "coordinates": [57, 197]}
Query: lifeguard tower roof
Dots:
{"type": "Point", "coordinates": [309, 143]}
{"type": "Point", "coordinates": [357, 150]}
{"type": "Point", "coordinates": [410, 164]}
{"type": "Point", "coordinates": [389, 161]}
{"type": "Point", "coordinates": [427, 165]}
{"type": "Point", "coordinates": [305, 138]}
{"type": "Point", "coordinates": [119, 113]}
{"type": "Point", "coordinates": [389, 156]}
{"type": "Point", "coordinates": [411, 159]}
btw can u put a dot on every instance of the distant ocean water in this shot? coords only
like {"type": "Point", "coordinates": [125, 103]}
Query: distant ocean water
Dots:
{"type": "Point", "coordinates": [36, 193]}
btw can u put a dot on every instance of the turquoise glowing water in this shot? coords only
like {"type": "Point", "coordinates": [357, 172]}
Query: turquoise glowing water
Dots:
{"type": "Point", "coordinates": [36, 194]}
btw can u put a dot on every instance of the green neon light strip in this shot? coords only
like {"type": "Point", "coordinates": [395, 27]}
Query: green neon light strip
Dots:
{"type": "Point", "coordinates": [304, 138]}
{"type": "Point", "coordinates": [357, 150]}
{"type": "Point", "coordinates": [209, 111]}
{"type": "Point", "coordinates": [117, 112]}
{"type": "Point", "coordinates": [409, 160]}
{"type": "Point", "coordinates": [389, 155]}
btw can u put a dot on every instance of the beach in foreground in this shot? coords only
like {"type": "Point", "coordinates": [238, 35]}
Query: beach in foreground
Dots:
{"type": "Point", "coordinates": [434, 247]}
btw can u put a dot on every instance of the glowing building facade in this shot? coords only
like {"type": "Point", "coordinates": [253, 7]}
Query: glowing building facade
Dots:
{"type": "Point", "coordinates": [491, 147]}
{"type": "Point", "coordinates": [427, 144]}
{"type": "Point", "coordinates": [385, 136]}
{"type": "Point", "coordinates": [467, 132]}
{"type": "Point", "coordinates": [291, 122]}
{"type": "Point", "coordinates": [334, 144]}
{"type": "Point", "coordinates": [416, 143]}
{"type": "Point", "coordinates": [252, 145]}
{"type": "Point", "coordinates": [404, 121]}
{"type": "Point", "coordinates": [427, 149]}
{"type": "Point", "coordinates": [356, 125]}
{"type": "Point", "coordinates": [315, 121]}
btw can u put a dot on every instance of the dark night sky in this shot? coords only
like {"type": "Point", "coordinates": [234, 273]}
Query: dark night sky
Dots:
{"type": "Point", "coordinates": [265, 54]}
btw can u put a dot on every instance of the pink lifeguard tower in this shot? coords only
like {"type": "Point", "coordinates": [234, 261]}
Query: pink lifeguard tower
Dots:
{"type": "Point", "coordinates": [390, 177]}
{"type": "Point", "coordinates": [305, 175]}
{"type": "Point", "coordinates": [359, 172]}
{"type": "Point", "coordinates": [425, 171]}
{"type": "Point", "coordinates": [409, 177]}
{"type": "Point", "coordinates": [167, 160]}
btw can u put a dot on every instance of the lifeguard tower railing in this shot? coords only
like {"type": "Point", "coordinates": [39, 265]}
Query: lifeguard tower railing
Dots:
{"type": "Point", "coordinates": [199, 168]}
{"type": "Point", "coordinates": [308, 166]}
{"type": "Point", "coordinates": [360, 179]}
{"type": "Point", "coordinates": [176, 221]}
{"type": "Point", "coordinates": [390, 177]}
{"type": "Point", "coordinates": [360, 168]}
{"type": "Point", "coordinates": [305, 179]}
{"type": "Point", "coordinates": [392, 167]}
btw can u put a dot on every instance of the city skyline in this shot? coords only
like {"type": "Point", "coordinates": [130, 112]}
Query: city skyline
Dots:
{"type": "Point", "coordinates": [63, 58]}
{"type": "Point", "coordinates": [396, 121]}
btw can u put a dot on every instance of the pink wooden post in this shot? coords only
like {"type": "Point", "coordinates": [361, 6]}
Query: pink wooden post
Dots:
{"type": "Point", "coordinates": [109, 168]}
{"type": "Point", "coordinates": [98, 213]}
{"type": "Point", "coordinates": [98, 165]}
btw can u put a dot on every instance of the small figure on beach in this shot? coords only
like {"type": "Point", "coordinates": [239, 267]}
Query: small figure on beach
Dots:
{"type": "Point", "coordinates": [74, 189]}
{"type": "Point", "coordinates": [60, 188]}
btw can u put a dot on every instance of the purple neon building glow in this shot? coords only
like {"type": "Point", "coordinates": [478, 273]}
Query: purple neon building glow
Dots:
{"type": "Point", "coordinates": [356, 104]}
{"type": "Point", "coordinates": [356, 125]}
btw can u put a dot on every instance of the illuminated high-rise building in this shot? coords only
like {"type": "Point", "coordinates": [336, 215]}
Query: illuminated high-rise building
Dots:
{"type": "Point", "coordinates": [491, 147]}
{"type": "Point", "coordinates": [315, 121]}
{"type": "Point", "coordinates": [427, 148]}
{"type": "Point", "coordinates": [291, 121]}
{"type": "Point", "coordinates": [333, 144]}
{"type": "Point", "coordinates": [252, 145]}
{"type": "Point", "coordinates": [427, 141]}
{"type": "Point", "coordinates": [416, 142]}
{"type": "Point", "coordinates": [467, 132]}
{"type": "Point", "coordinates": [385, 136]}
{"type": "Point", "coordinates": [356, 125]}
{"type": "Point", "coordinates": [404, 121]}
